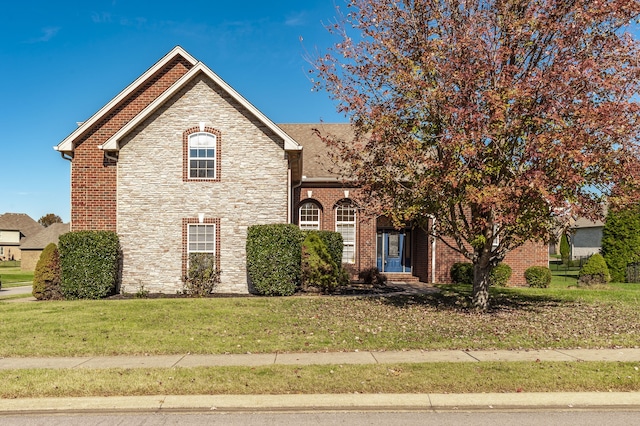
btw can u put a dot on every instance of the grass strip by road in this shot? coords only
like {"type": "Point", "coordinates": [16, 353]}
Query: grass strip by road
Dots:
{"type": "Point", "coordinates": [520, 319]}
{"type": "Point", "coordinates": [382, 378]}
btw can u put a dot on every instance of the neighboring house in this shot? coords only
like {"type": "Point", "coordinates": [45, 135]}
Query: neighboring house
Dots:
{"type": "Point", "coordinates": [179, 162]}
{"type": "Point", "coordinates": [14, 229]}
{"type": "Point", "coordinates": [585, 237]}
{"type": "Point", "coordinates": [33, 246]}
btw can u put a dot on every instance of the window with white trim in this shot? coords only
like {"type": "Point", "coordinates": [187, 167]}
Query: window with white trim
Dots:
{"type": "Point", "coordinates": [309, 217]}
{"type": "Point", "coordinates": [201, 238]}
{"type": "Point", "coordinates": [202, 156]}
{"type": "Point", "coordinates": [346, 226]}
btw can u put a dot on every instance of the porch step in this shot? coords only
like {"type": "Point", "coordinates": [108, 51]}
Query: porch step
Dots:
{"type": "Point", "coordinates": [399, 277]}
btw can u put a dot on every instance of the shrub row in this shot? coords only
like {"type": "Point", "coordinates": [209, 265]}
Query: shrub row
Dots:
{"type": "Point", "coordinates": [462, 273]}
{"type": "Point", "coordinates": [275, 259]}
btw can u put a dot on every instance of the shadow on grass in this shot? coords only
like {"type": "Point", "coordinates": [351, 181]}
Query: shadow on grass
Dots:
{"type": "Point", "coordinates": [457, 297]}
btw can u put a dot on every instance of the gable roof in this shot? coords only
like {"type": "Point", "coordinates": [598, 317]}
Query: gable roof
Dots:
{"type": "Point", "coordinates": [68, 144]}
{"type": "Point", "coordinates": [317, 164]}
{"type": "Point", "coordinates": [20, 222]}
{"type": "Point", "coordinates": [48, 235]}
{"type": "Point", "coordinates": [113, 143]}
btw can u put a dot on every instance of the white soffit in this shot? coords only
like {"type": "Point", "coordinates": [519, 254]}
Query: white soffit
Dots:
{"type": "Point", "coordinates": [68, 144]}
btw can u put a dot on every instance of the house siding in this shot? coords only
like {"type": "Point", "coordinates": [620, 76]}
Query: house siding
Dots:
{"type": "Point", "coordinates": [93, 176]}
{"type": "Point", "coordinates": [154, 199]}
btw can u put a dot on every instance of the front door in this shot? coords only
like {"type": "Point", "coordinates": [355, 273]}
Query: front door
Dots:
{"type": "Point", "coordinates": [394, 251]}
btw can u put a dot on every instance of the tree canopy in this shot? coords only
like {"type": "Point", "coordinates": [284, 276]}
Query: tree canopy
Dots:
{"type": "Point", "coordinates": [49, 219]}
{"type": "Point", "coordinates": [487, 115]}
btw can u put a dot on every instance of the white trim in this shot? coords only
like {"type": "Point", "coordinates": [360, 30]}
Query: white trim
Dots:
{"type": "Point", "coordinates": [352, 206]}
{"type": "Point", "coordinates": [112, 144]}
{"type": "Point", "coordinates": [308, 224]}
{"type": "Point", "coordinates": [67, 145]}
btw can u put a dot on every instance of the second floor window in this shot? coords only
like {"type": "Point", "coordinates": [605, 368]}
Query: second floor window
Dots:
{"type": "Point", "coordinates": [202, 156]}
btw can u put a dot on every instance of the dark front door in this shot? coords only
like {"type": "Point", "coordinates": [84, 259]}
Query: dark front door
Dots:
{"type": "Point", "coordinates": [393, 250]}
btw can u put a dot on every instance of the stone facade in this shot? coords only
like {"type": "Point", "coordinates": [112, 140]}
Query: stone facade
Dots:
{"type": "Point", "coordinates": [154, 199]}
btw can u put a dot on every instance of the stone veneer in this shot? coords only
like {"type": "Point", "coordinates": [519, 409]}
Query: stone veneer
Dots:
{"type": "Point", "coordinates": [154, 202]}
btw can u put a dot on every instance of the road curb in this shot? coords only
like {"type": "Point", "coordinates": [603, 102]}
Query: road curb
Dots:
{"type": "Point", "coordinates": [326, 402]}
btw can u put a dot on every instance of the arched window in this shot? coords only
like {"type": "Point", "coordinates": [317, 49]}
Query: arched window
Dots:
{"type": "Point", "coordinates": [202, 156]}
{"type": "Point", "coordinates": [309, 216]}
{"type": "Point", "coordinates": [346, 226]}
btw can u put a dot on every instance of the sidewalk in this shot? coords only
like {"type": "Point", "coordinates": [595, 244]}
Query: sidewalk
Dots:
{"type": "Point", "coordinates": [324, 402]}
{"type": "Point", "coordinates": [320, 358]}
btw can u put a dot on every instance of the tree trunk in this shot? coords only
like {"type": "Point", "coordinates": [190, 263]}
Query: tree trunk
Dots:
{"type": "Point", "coordinates": [480, 299]}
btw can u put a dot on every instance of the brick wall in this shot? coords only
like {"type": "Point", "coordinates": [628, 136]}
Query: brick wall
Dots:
{"type": "Point", "coordinates": [327, 198]}
{"type": "Point", "coordinates": [93, 176]}
{"type": "Point", "coordinates": [154, 199]}
{"type": "Point", "coordinates": [530, 254]}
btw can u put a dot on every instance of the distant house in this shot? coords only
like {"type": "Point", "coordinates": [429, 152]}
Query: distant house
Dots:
{"type": "Point", "coordinates": [32, 246]}
{"type": "Point", "coordinates": [14, 229]}
{"type": "Point", "coordinates": [179, 162]}
{"type": "Point", "coordinates": [585, 237]}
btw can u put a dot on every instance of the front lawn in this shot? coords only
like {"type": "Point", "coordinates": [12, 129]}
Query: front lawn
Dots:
{"type": "Point", "coordinates": [521, 318]}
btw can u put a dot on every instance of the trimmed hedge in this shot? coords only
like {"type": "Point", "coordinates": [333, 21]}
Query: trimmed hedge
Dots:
{"type": "Point", "coordinates": [621, 241]}
{"type": "Point", "coordinates": [500, 275]}
{"type": "Point", "coordinates": [538, 276]}
{"type": "Point", "coordinates": [46, 277]}
{"type": "Point", "coordinates": [89, 262]}
{"type": "Point", "coordinates": [594, 272]}
{"type": "Point", "coordinates": [461, 273]}
{"type": "Point", "coordinates": [273, 258]}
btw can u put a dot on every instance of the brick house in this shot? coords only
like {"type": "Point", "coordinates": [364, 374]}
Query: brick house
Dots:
{"type": "Point", "coordinates": [179, 162]}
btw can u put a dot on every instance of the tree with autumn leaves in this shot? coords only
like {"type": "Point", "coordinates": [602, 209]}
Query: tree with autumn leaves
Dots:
{"type": "Point", "coordinates": [487, 116]}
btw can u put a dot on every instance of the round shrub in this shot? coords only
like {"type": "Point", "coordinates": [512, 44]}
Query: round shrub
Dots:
{"type": "Point", "coordinates": [462, 273]}
{"type": "Point", "coordinates": [594, 272]}
{"type": "Point", "coordinates": [46, 277]}
{"type": "Point", "coordinates": [500, 275]}
{"type": "Point", "coordinates": [538, 276]}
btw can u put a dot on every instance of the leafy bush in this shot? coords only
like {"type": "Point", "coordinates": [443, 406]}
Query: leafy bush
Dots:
{"type": "Point", "coordinates": [202, 276]}
{"type": "Point", "coordinates": [273, 258]}
{"type": "Point", "coordinates": [500, 275]}
{"type": "Point", "coordinates": [334, 243]}
{"type": "Point", "coordinates": [538, 276]}
{"type": "Point", "coordinates": [372, 276]}
{"type": "Point", "coordinates": [461, 273]}
{"type": "Point", "coordinates": [594, 272]}
{"type": "Point", "coordinates": [621, 241]}
{"type": "Point", "coordinates": [318, 267]}
{"type": "Point", "coordinates": [46, 277]}
{"type": "Point", "coordinates": [89, 262]}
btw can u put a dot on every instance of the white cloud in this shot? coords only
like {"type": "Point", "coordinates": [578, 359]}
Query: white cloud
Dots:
{"type": "Point", "coordinates": [296, 19]}
{"type": "Point", "coordinates": [47, 34]}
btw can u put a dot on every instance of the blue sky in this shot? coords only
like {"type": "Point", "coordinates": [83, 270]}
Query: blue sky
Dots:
{"type": "Point", "coordinates": [61, 61]}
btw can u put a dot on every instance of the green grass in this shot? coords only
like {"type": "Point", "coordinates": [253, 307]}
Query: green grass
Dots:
{"type": "Point", "coordinates": [14, 277]}
{"type": "Point", "coordinates": [379, 378]}
{"type": "Point", "coordinates": [520, 318]}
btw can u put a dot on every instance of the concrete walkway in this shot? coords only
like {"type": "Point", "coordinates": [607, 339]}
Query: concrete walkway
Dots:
{"type": "Point", "coordinates": [321, 358]}
{"type": "Point", "coordinates": [342, 402]}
